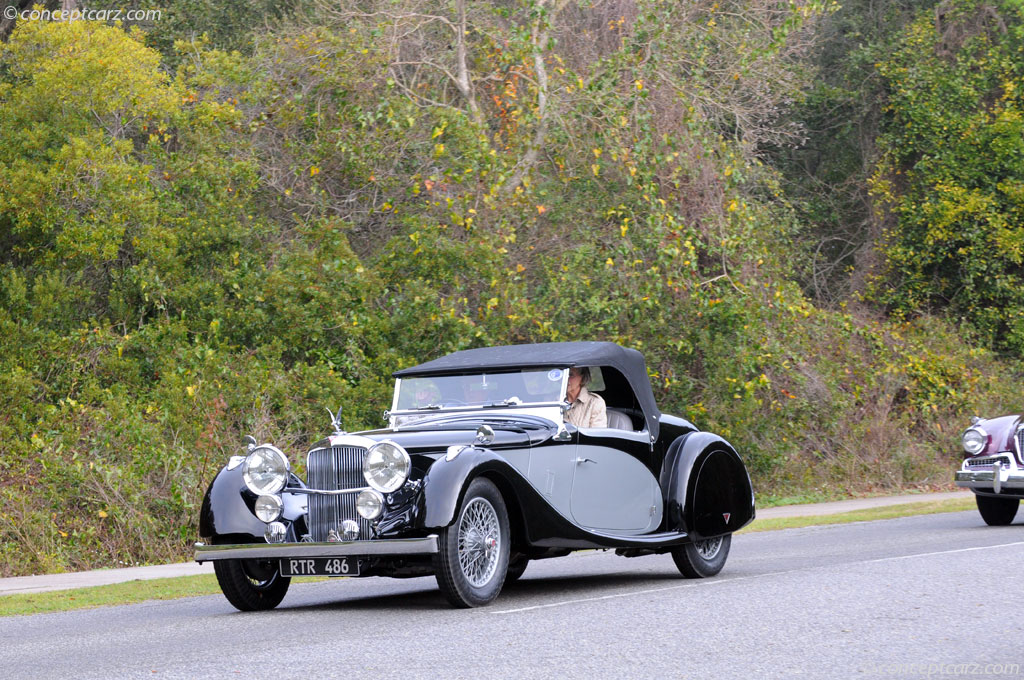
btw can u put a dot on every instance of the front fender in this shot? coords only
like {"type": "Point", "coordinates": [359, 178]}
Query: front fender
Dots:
{"type": "Point", "coordinates": [227, 509]}
{"type": "Point", "coordinates": [445, 483]}
{"type": "Point", "coordinates": [707, 486]}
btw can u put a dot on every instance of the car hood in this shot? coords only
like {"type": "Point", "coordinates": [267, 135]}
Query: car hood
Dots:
{"type": "Point", "coordinates": [437, 434]}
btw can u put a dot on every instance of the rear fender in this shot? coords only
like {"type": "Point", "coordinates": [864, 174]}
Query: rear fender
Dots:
{"type": "Point", "coordinates": [707, 486]}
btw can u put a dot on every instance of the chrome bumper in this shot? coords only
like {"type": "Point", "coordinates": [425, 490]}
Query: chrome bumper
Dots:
{"type": "Point", "coordinates": [1002, 474]}
{"type": "Point", "coordinates": [273, 551]}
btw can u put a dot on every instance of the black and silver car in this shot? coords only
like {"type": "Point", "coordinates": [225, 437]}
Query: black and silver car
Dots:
{"type": "Point", "coordinates": [478, 473]}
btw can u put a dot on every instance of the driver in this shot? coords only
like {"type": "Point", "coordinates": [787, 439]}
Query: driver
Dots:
{"type": "Point", "coordinates": [585, 408]}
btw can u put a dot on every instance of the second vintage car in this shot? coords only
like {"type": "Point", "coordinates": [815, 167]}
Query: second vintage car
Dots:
{"type": "Point", "coordinates": [993, 466]}
{"type": "Point", "coordinates": [478, 473]}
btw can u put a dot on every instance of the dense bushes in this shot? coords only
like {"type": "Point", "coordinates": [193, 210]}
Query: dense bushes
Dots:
{"type": "Point", "coordinates": [228, 248]}
{"type": "Point", "coordinates": [952, 170]}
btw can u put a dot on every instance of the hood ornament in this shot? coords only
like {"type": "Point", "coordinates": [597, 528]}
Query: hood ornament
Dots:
{"type": "Point", "coordinates": [336, 420]}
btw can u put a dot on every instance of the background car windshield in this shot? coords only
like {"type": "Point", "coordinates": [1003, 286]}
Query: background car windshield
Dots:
{"type": "Point", "coordinates": [528, 387]}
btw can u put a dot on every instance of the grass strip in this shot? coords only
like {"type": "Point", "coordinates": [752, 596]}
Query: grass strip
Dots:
{"type": "Point", "coordinates": [129, 592]}
{"type": "Point", "coordinates": [868, 515]}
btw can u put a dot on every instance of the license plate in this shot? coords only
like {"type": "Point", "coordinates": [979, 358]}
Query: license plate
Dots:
{"type": "Point", "coordinates": [320, 566]}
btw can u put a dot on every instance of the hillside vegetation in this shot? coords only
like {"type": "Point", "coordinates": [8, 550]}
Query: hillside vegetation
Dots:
{"type": "Point", "coordinates": [806, 215]}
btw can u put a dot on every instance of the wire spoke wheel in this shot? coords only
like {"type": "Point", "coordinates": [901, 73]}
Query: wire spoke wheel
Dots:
{"type": "Point", "coordinates": [479, 545]}
{"type": "Point", "coordinates": [473, 559]}
{"type": "Point", "coordinates": [709, 548]}
{"type": "Point", "coordinates": [702, 558]}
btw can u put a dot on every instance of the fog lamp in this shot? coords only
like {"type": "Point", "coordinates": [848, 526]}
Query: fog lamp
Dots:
{"type": "Point", "coordinates": [349, 530]}
{"type": "Point", "coordinates": [369, 504]}
{"type": "Point", "coordinates": [275, 532]}
{"type": "Point", "coordinates": [267, 508]}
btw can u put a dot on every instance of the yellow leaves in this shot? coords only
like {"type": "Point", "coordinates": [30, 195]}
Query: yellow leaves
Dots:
{"type": "Point", "coordinates": [190, 390]}
{"type": "Point", "coordinates": [313, 171]}
{"type": "Point", "coordinates": [597, 153]}
{"type": "Point", "coordinates": [609, 262]}
{"type": "Point", "coordinates": [639, 83]}
{"type": "Point", "coordinates": [492, 303]}
{"type": "Point", "coordinates": [541, 210]}
{"type": "Point", "coordinates": [438, 150]}
{"type": "Point", "coordinates": [102, 514]}
{"type": "Point", "coordinates": [520, 268]}
{"type": "Point", "coordinates": [438, 131]}
{"type": "Point", "coordinates": [733, 205]}
{"type": "Point", "coordinates": [596, 169]}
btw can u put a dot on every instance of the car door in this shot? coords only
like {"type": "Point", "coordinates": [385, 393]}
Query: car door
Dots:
{"type": "Point", "coordinates": [612, 487]}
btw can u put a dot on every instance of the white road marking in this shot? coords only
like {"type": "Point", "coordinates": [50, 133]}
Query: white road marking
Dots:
{"type": "Point", "coordinates": [695, 584]}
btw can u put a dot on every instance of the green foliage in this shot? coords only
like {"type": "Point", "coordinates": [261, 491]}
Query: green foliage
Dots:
{"type": "Point", "coordinates": [953, 168]}
{"type": "Point", "coordinates": [225, 247]}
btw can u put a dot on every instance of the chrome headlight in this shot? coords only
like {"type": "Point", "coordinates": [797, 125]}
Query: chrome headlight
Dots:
{"type": "Point", "coordinates": [386, 466]}
{"type": "Point", "coordinates": [369, 504]}
{"type": "Point", "coordinates": [975, 440]}
{"type": "Point", "coordinates": [265, 470]}
{"type": "Point", "coordinates": [267, 508]}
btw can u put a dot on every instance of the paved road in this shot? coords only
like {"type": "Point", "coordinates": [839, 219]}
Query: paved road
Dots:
{"type": "Point", "coordinates": [913, 597]}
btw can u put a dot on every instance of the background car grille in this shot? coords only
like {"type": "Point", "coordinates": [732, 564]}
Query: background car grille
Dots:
{"type": "Point", "coordinates": [1020, 444]}
{"type": "Point", "coordinates": [338, 467]}
{"type": "Point", "coordinates": [988, 461]}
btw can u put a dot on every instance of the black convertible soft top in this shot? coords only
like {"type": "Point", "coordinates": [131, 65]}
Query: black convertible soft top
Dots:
{"type": "Point", "coordinates": [629, 362]}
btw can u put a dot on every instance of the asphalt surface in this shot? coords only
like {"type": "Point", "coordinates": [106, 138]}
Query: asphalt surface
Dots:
{"type": "Point", "coordinates": [927, 596]}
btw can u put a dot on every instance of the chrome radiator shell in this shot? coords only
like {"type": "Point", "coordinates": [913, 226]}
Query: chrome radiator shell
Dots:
{"type": "Point", "coordinates": [329, 469]}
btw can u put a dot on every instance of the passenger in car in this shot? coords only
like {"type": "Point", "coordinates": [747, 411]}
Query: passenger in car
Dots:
{"type": "Point", "coordinates": [585, 408]}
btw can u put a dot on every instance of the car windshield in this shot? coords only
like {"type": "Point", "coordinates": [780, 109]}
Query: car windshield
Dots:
{"type": "Point", "coordinates": [483, 389]}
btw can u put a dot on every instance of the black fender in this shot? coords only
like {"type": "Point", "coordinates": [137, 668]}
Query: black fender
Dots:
{"type": "Point", "coordinates": [227, 510]}
{"type": "Point", "coordinates": [445, 483]}
{"type": "Point", "coordinates": [706, 487]}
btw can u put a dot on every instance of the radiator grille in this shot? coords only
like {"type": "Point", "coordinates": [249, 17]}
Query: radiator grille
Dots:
{"type": "Point", "coordinates": [337, 467]}
{"type": "Point", "coordinates": [988, 461]}
{"type": "Point", "coordinates": [1020, 444]}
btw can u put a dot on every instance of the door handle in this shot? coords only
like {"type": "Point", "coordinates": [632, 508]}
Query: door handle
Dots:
{"type": "Point", "coordinates": [581, 461]}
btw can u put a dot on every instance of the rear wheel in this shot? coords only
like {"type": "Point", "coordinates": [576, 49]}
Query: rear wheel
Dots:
{"type": "Point", "coordinates": [251, 585]}
{"type": "Point", "coordinates": [703, 558]}
{"type": "Point", "coordinates": [473, 559]}
{"type": "Point", "coordinates": [997, 512]}
{"type": "Point", "coordinates": [516, 568]}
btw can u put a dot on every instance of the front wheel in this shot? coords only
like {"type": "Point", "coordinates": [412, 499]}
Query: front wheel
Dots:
{"type": "Point", "coordinates": [251, 585]}
{"type": "Point", "coordinates": [997, 512]}
{"type": "Point", "coordinates": [473, 558]}
{"type": "Point", "coordinates": [704, 558]}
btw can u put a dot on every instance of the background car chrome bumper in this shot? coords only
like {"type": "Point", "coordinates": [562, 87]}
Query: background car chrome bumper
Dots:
{"type": "Point", "coordinates": [991, 479]}
{"type": "Point", "coordinates": [378, 547]}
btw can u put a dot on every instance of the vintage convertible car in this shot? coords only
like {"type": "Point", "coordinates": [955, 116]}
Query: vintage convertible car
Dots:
{"type": "Point", "coordinates": [994, 466]}
{"type": "Point", "coordinates": [476, 474]}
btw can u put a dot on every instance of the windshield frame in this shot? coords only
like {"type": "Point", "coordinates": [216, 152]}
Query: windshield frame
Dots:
{"type": "Point", "coordinates": [549, 410]}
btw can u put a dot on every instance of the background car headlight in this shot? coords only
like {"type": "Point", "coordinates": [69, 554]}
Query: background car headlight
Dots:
{"type": "Point", "coordinates": [267, 508]}
{"type": "Point", "coordinates": [369, 504]}
{"type": "Point", "coordinates": [386, 466]}
{"type": "Point", "coordinates": [974, 441]}
{"type": "Point", "coordinates": [265, 470]}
